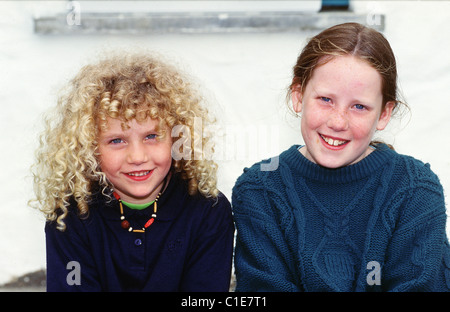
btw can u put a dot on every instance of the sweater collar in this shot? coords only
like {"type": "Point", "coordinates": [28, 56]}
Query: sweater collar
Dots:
{"type": "Point", "coordinates": [299, 164]}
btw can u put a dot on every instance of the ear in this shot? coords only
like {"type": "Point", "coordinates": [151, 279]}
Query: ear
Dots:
{"type": "Point", "coordinates": [385, 115]}
{"type": "Point", "coordinates": [297, 97]}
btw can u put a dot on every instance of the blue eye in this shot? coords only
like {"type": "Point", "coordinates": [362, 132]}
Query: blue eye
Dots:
{"type": "Point", "coordinates": [325, 99]}
{"type": "Point", "coordinates": [116, 141]}
{"type": "Point", "coordinates": [151, 136]}
{"type": "Point", "coordinates": [359, 107]}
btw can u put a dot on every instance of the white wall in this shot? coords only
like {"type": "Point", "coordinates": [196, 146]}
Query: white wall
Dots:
{"type": "Point", "coordinates": [246, 74]}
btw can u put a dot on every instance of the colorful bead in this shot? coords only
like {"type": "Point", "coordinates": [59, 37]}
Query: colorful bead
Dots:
{"type": "Point", "coordinates": [125, 224]}
{"type": "Point", "coordinates": [149, 222]}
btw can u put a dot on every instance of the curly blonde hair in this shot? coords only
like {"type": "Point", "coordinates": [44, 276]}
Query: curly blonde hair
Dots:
{"type": "Point", "coordinates": [124, 86]}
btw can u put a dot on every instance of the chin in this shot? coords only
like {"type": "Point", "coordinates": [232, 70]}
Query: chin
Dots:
{"type": "Point", "coordinates": [332, 163]}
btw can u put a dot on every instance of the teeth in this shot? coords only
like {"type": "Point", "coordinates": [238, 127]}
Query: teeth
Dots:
{"type": "Point", "coordinates": [139, 174]}
{"type": "Point", "coordinates": [333, 142]}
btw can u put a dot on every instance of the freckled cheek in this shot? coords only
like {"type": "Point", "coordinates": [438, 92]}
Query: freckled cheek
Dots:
{"type": "Point", "coordinates": [362, 130]}
{"type": "Point", "coordinates": [310, 126]}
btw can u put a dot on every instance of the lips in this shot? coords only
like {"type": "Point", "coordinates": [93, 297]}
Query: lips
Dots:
{"type": "Point", "coordinates": [333, 142]}
{"type": "Point", "coordinates": [139, 175]}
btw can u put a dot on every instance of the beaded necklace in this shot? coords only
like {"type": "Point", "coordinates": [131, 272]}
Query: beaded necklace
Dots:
{"type": "Point", "coordinates": [126, 225]}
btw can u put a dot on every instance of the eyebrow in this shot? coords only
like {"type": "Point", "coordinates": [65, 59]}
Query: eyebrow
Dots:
{"type": "Point", "coordinates": [123, 133]}
{"type": "Point", "coordinates": [326, 93]}
{"type": "Point", "coordinates": [323, 92]}
{"type": "Point", "coordinates": [111, 135]}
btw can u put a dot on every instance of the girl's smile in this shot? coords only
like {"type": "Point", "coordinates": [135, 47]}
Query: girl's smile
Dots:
{"type": "Point", "coordinates": [341, 109]}
{"type": "Point", "coordinates": [136, 161]}
{"type": "Point", "coordinates": [140, 175]}
{"type": "Point", "coordinates": [333, 142]}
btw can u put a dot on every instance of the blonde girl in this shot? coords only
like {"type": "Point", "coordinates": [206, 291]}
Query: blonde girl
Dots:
{"type": "Point", "coordinates": [118, 206]}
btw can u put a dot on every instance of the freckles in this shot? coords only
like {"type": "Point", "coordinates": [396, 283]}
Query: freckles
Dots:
{"type": "Point", "coordinates": [362, 135]}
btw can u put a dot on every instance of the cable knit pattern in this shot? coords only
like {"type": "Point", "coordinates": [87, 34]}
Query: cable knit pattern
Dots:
{"type": "Point", "coordinates": [304, 227]}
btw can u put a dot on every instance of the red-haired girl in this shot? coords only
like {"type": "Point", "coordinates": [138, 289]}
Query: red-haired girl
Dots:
{"type": "Point", "coordinates": [342, 212]}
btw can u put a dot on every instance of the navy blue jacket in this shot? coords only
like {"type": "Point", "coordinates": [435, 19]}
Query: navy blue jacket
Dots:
{"type": "Point", "coordinates": [188, 247]}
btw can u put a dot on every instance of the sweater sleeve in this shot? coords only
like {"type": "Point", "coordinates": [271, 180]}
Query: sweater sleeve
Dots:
{"type": "Point", "coordinates": [263, 260]}
{"type": "Point", "coordinates": [418, 256]}
{"type": "Point", "coordinates": [70, 266]}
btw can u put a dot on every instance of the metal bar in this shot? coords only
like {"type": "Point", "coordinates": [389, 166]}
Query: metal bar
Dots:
{"type": "Point", "coordinates": [201, 22]}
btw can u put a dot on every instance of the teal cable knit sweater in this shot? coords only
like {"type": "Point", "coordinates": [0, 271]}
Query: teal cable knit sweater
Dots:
{"type": "Point", "coordinates": [377, 225]}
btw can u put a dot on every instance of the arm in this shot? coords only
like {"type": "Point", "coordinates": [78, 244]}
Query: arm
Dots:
{"type": "Point", "coordinates": [418, 255]}
{"type": "Point", "coordinates": [70, 266]}
{"type": "Point", "coordinates": [209, 265]}
{"type": "Point", "coordinates": [264, 260]}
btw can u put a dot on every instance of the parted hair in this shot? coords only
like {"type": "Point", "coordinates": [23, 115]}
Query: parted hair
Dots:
{"type": "Point", "coordinates": [353, 39]}
{"type": "Point", "coordinates": [349, 39]}
{"type": "Point", "coordinates": [124, 86]}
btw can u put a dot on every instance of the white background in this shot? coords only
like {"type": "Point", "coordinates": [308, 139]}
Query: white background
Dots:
{"type": "Point", "coordinates": [245, 75]}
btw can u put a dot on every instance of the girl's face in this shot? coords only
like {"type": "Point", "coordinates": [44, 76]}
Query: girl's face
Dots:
{"type": "Point", "coordinates": [341, 108]}
{"type": "Point", "coordinates": [133, 160]}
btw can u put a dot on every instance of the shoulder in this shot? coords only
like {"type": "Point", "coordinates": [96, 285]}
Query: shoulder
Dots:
{"type": "Point", "coordinates": [209, 216]}
{"type": "Point", "coordinates": [415, 173]}
{"type": "Point", "coordinates": [415, 190]}
{"type": "Point", "coordinates": [265, 170]}
{"type": "Point", "coordinates": [270, 168]}
{"type": "Point", "coordinates": [211, 207]}
{"type": "Point", "coordinates": [252, 180]}
{"type": "Point", "coordinates": [178, 189]}
{"type": "Point", "coordinates": [198, 204]}
{"type": "Point", "coordinates": [404, 178]}
{"type": "Point", "coordinates": [75, 222]}
{"type": "Point", "coordinates": [262, 183]}
{"type": "Point", "coordinates": [73, 234]}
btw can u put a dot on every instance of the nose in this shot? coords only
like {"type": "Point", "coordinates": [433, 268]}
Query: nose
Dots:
{"type": "Point", "coordinates": [338, 120]}
{"type": "Point", "coordinates": [137, 154]}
